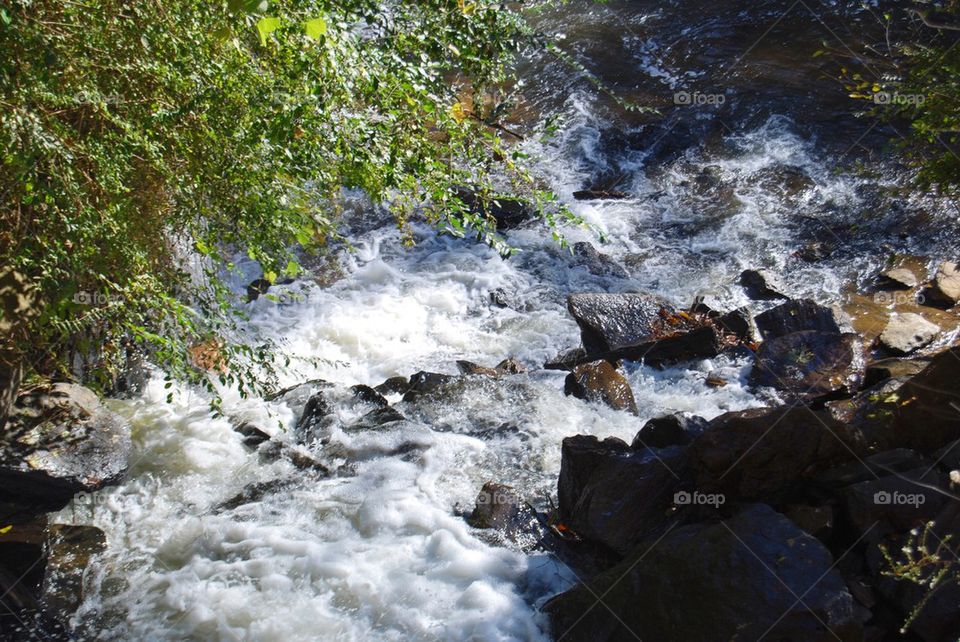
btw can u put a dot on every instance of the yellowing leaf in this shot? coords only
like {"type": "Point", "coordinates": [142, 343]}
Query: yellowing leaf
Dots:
{"type": "Point", "coordinates": [5, 530]}
{"type": "Point", "coordinates": [270, 276]}
{"type": "Point", "coordinates": [316, 28]}
{"type": "Point", "coordinates": [458, 112]}
{"type": "Point", "coordinates": [266, 26]}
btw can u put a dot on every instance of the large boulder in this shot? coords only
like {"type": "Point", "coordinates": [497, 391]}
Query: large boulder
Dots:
{"type": "Point", "coordinates": [669, 430]}
{"type": "Point", "coordinates": [796, 316]}
{"type": "Point", "coordinates": [944, 292]}
{"type": "Point", "coordinates": [752, 576]}
{"type": "Point", "coordinates": [879, 507]}
{"type": "Point", "coordinates": [599, 381]}
{"type": "Point", "coordinates": [764, 453]}
{"type": "Point", "coordinates": [59, 441]}
{"type": "Point", "coordinates": [809, 364]}
{"type": "Point", "coordinates": [925, 411]}
{"type": "Point", "coordinates": [611, 494]}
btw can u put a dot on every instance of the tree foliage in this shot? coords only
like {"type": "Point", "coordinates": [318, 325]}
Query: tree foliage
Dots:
{"type": "Point", "coordinates": [138, 134]}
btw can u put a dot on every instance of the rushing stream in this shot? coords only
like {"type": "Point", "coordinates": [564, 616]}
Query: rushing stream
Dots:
{"type": "Point", "coordinates": [380, 550]}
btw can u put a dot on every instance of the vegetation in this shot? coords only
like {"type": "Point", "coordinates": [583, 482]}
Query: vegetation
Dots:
{"type": "Point", "coordinates": [138, 135]}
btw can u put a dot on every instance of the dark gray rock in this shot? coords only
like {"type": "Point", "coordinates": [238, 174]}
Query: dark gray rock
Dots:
{"type": "Point", "coordinates": [611, 494]}
{"type": "Point", "coordinates": [253, 436]}
{"type": "Point", "coordinates": [739, 323]}
{"type": "Point", "coordinates": [60, 441]}
{"type": "Point", "coordinates": [377, 418]}
{"type": "Point", "coordinates": [394, 385]}
{"type": "Point", "coordinates": [424, 383]}
{"type": "Point", "coordinates": [809, 364]}
{"type": "Point", "coordinates": [586, 256]}
{"type": "Point", "coordinates": [256, 288]}
{"type": "Point", "coordinates": [796, 316]}
{"type": "Point", "coordinates": [739, 579]}
{"type": "Point", "coordinates": [877, 508]}
{"type": "Point", "coordinates": [368, 395]}
{"type": "Point", "coordinates": [610, 322]}
{"type": "Point", "coordinates": [313, 417]}
{"type": "Point", "coordinates": [566, 360]}
{"type": "Point", "coordinates": [669, 430]}
{"type": "Point", "coordinates": [761, 285]}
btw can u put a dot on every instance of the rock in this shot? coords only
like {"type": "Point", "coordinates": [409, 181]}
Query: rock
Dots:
{"type": "Point", "coordinates": [596, 263]}
{"type": "Point", "coordinates": [715, 380]}
{"type": "Point", "coordinates": [298, 394]}
{"type": "Point", "coordinates": [809, 364]}
{"type": "Point", "coordinates": [796, 316]}
{"type": "Point", "coordinates": [394, 385]}
{"type": "Point", "coordinates": [739, 323]}
{"type": "Point", "coordinates": [761, 285]}
{"type": "Point", "coordinates": [815, 520]}
{"type": "Point", "coordinates": [256, 288]}
{"type": "Point", "coordinates": [507, 212]}
{"type": "Point", "coordinates": [599, 195]}
{"type": "Point", "coordinates": [814, 251]}
{"type": "Point", "coordinates": [944, 292]}
{"type": "Point", "coordinates": [253, 436]}
{"type": "Point", "coordinates": [312, 418]}
{"type": "Point", "coordinates": [377, 418]}
{"type": "Point", "coordinates": [501, 299]}
{"type": "Point", "coordinates": [900, 278]}
{"type": "Point", "coordinates": [255, 492]}
{"type": "Point", "coordinates": [601, 382]}
{"type": "Point", "coordinates": [613, 495]}
{"type": "Point", "coordinates": [474, 369]}
{"type": "Point", "coordinates": [566, 360]}
{"type": "Point", "coordinates": [892, 368]}
{"type": "Point", "coordinates": [423, 383]}
{"type": "Point", "coordinates": [906, 332]}
{"type": "Point", "coordinates": [497, 506]}
{"type": "Point", "coordinates": [669, 430]}
{"type": "Point", "coordinates": [69, 552]}
{"type": "Point", "coordinates": [764, 453]}
{"type": "Point", "coordinates": [877, 508]}
{"type": "Point", "coordinates": [60, 441]}
{"type": "Point", "coordinates": [22, 566]}
{"type": "Point", "coordinates": [368, 395]}
{"type": "Point", "coordinates": [701, 343]}
{"type": "Point", "coordinates": [510, 366]}
{"type": "Point", "coordinates": [610, 322]}
{"type": "Point", "coordinates": [890, 462]}
{"type": "Point", "coordinates": [739, 579]}
{"type": "Point", "coordinates": [924, 412]}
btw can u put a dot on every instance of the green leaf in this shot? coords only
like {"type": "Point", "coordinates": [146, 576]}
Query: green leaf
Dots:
{"type": "Point", "coordinates": [316, 28]}
{"type": "Point", "coordinates": [266, 26]}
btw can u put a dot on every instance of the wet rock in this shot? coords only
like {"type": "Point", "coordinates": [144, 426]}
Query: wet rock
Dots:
{"type": "Point", "coordinates": [613, 495]}
{"type": "Point", "coordinates": [906, 332]}
{"type": "Point", "coordinates": [723, 575]}
{"type": "Point", "coordinates": [601, 382]}
{"type": "Point", "coordinates": [890, 462]}
{"type": "Point", "coordinates": [877, 508]}
{"type": "Point", "coordinates": [510, 366]}
{"type": "Point", "coordinates": [764, 453]}
{"type": "Point", "coordinates": [507, 212]}
{"type": "Point", "coordinates": [394, 385]}
{"type": "Point", "coordinates": [566, 360]}
{"type": "Point", "coordinates": [596, 263]}
{"type": "Point", "coordinates": [809, 364]}
{"type": "Point", "coordinates": [944, 292]}
{"type": "Point", "coordinates": [318, 408]}
{"type": "Point", "coordinates": [739, 323]}
{"type": "Point", "coordinates": [22, 566]}
{"type": "Point", "coordinates": [256, 288]}
{"type": "Point", "coordinates": [599, 195]}
{"type": "Point", "coordinates": [475, 369]}
{"type": "Point", "coordinates": [59, 441]}
{"type": "Point", "coordinates": [900, 278]}
{"type": "Point", "coordinates": [893, 368]}
{"type": "Point", "coordinates": [497, 506]}
{"type": "Point", "coordinates": [704, 342]}
{"type": "Point", "coordinates": [610, 322]}
{"type": "Point", "coordinates": [715, 380]}
{"type": "Point", "coordinates": [255, 492]}
{"type": "Point", "coordinates": [761, 285]}
{"type": "Point", "coordinates": [366, 394]}
{"type": "Point", "coordinates": [423, 383]}
{"type": "Point", "coordinates": [70, 550]}
{"type": "Point", "coordinates": [501, 299]}
{"type": "Point", "coordinates": [377, 418]}
{"type": "Point", "coordinates": [298, 394]}
{"type": "Point", "coordinates": [814, 251]}
{"type": "Point", "coordinates": [669, 430]}
{"type": "Point", "coordinates": [796, 316]}
{"type": "Point", "coordinates": [253, 436]}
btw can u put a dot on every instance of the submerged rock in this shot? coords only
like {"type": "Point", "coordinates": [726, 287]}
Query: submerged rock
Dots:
{"type": "Point", "coordinates": [423, 383]}
{"type": "Point", "coordinates": [907, 331]}
{"type": "Point", "coordinates": [796, 316]}
{"type": "Point", "coordinates": [601, 382]}
{"type": "Point", "coordinates": [70, 549]}
{"type": "Point", "coordinates": [738, 579]}
{"type": "Point", "coordinates": [59, 441]}
{"type": "Point", "coordinates": [597, 263]}
{"type": "Point", "coordinates": [809, 364]}
{"type": "Point", "coordinates": [611, 494]}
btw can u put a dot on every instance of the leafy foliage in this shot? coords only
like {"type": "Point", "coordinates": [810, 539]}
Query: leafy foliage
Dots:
{"type": "Point", "coordinates": [138, 135]}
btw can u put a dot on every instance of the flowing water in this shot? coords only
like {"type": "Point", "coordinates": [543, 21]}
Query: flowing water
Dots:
{"type": "Point", "coordinates": [380, 550]}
